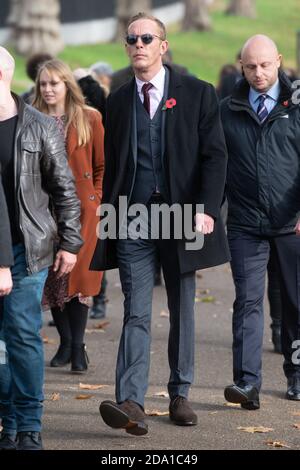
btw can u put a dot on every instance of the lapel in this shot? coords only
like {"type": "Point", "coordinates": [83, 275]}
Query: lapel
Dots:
{"type": "Point", "coordinates": [126, 118]}
{"type": "Point", "coordinates": [134, 126]}
{"type": "Point", "coordinates": [164, 116]}
{"type": "Point", "coordinates": [171, 115]}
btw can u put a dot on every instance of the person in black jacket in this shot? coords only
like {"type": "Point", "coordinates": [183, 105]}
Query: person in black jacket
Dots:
{"type": "Point", "coordinates": [34, 167]}
{"type": "Point", "coordinates": [6, 254]}
{"type": "Point", "coordinates": [164, 144]}
{"type": "Point", "coordinates": [262, 128]}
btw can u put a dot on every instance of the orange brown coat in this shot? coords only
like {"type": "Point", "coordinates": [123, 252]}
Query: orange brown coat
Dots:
{"type": "Point", "coordinates": [87, 164]}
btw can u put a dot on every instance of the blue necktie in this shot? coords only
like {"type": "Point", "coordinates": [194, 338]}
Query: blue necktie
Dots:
{"type": "Point", "coordinates": [262, 111]}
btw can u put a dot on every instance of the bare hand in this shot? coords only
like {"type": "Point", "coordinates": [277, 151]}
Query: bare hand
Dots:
{"type": "Point", "coordinates": [64, 262]}
{"type": "Point", "coordinates": [204, 223]}
{"type": "Point", "coordinates": [6, 283]}
{"type": "Point", "coordinates": [297, 227]}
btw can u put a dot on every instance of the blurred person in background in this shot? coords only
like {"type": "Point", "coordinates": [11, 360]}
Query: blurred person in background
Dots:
{"type": "Point", "coordinates": [32, 67]}
{"type": "Point", "coordinates": [94, 94]}
{"type": "Point", "coordinates": [59, 96]}
{"type": "Point", "coordinates": [102, 72]}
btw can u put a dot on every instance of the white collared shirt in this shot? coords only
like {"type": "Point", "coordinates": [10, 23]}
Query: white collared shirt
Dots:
{"type": "Point", "coordinates": [156, 92]}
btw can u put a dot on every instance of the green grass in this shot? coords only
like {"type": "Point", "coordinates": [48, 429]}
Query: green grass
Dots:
{"type": "Point", "coordinates": [202, 53]}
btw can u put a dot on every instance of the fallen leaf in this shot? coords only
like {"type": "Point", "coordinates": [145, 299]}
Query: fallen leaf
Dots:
{"type": "Point", "coordinates": [165, 314]}
{"type": "Point", "coordinates": [213, 413]}
{"type": "Point", "coordinates": [83, 397]}
{"type": "Point", "coordinates": [156, 413]}
{"type": "Point", "coordinates": [208, 299]}
{"type": "Point", "coordinates": [296, 425]}
{"type": "Point", "coordinates": [91, 387]}
{"type": "Point", "coordinates": [54, 397]}
{"type": "Point", "coordinates": [232, 405]}
{"type": "Point", "coordinates": [295, 413]}
{"type": "Point", "coordinates": [88, 331]}
{"type": "Point", "coordinates": [203, 291]}
{"type": "Point", "coordinates": [276, 444]}
{"type": "Point", "coordinates": [197, 299]}
{"type": "Point", "coordinates": [47, 340]}
{"type": "Point", "coordinates": [162, 394]}
{"type": "Point", "coordinates": [102, 325]}
{"type": "Point", "coordinates": [253, 429]}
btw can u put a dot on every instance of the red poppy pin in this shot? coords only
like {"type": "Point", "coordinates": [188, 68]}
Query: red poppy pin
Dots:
{"type": "Point", "coordinates": [169, 104]}
{"type": "Point", "coordinates": [285, 103]}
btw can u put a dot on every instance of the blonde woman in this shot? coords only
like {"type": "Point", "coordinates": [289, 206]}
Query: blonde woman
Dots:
{"type": "Point", "coordinates": [58, 95]}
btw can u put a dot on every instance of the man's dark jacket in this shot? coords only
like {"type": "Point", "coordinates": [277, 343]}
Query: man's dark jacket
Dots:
{"type": "Point", "coordinates": [6, 254]}
{"type": "Point", "coordinates": [194, 160]}
{"type": "Point", "coordinates": [263, 177]}
{"type": "Point", "coordinates": [41, 170]}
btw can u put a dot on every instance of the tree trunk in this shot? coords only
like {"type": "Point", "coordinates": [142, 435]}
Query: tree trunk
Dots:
{"type": "Point", "coordinates": [35, 26]}
{"type": "Point", "coordinates": [242, 8]}
{"type": "Point", "coordinates": [125, 9]}
{"type": "Point", "coordinates": [196, 16]}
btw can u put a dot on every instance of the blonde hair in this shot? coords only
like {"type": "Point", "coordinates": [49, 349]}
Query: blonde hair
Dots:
{"type": "Point", "coordinates": [75, 107]}
{"type": "Point", "coordinates": [147, 16]}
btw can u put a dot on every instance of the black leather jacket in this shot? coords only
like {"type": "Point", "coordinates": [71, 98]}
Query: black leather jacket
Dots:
{"type": "Point", "coordinates": [41, 170]}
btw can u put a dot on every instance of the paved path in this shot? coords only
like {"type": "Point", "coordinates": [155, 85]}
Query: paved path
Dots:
{"type": "Point", "coordinates": [71, 423]}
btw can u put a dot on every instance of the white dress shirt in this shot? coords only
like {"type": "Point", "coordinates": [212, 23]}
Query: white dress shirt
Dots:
{"type": "Point", "coordinates": [156, 92]}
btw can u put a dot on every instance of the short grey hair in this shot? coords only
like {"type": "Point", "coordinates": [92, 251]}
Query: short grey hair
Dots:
{"type": "Point", "coordinates": [101, 68]}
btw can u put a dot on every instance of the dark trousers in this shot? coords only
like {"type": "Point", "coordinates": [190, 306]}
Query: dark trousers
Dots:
{"type": "Point", "coordinates": [250, 255]}
{"type": "Point", "coordinates": [137, 260]}
{"type": "Point", "coordinates": [274, 294]}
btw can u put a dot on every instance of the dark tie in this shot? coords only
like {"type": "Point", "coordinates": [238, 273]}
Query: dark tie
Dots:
{"type": "Point", "coordinates": [262, 111]}
{"type": "Point", "coordinates": [145, 89]}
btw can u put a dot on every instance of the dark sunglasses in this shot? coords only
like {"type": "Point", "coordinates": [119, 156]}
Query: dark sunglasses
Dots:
{"type": "Point", "coordinates": [132, 39]}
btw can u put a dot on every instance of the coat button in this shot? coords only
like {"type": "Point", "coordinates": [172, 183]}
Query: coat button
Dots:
{"type": "Point", "coordinates": [87, 175]}
{"type": "Point", "coordinates": [92, 197]}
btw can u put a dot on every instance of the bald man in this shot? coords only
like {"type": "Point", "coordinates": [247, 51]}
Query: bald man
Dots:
{"type": "Point", "coordinates": [34, 166]}
{"type": "Point", "coordinates": [262, 130]}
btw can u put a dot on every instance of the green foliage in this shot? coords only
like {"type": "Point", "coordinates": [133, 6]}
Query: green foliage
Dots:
{"type": "Point", "coordinates": [202, 53]}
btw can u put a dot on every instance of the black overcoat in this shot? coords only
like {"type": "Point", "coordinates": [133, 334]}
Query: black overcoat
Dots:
{"type": "Point", "coordinates": [195, 160]}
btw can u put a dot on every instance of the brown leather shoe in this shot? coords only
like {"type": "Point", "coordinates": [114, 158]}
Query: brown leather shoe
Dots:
{"type": "Point", "coordinates": [181, 412]}
{"type": "Point", "coordinates": [127, 415]}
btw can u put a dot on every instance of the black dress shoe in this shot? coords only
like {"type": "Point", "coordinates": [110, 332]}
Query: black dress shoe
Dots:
{"type": "Point", "coordinates": [62, 356]}
{"type": "Point", "coordinates": [293, 390]}
{"type": "Point", "coordinates": [29, 440]}
{"type": "Point", "coordinates": [79, 359]}
{"type": "Point", "coordinates": [8, 441]}
{"type": "Point", "coordinates": [181, 412]}
{"type": "Point", "coordinates": [127, 415]}
{"type": "Point", "coordinates": [246, 395]}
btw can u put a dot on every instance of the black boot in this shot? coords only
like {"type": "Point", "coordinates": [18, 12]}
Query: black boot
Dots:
{"type": "Point", "coordinates": [62, 356]}
{"type": "Point", "coordinates": [79, 358]}
{"type": "Point", "coordinates": [276, 338]}
{"type": "Point", "coordinates": [98, 310]}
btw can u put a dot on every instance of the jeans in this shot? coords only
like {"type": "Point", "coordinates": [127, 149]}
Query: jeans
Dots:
{"type": "Point", "coordinates": [22, 374]}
